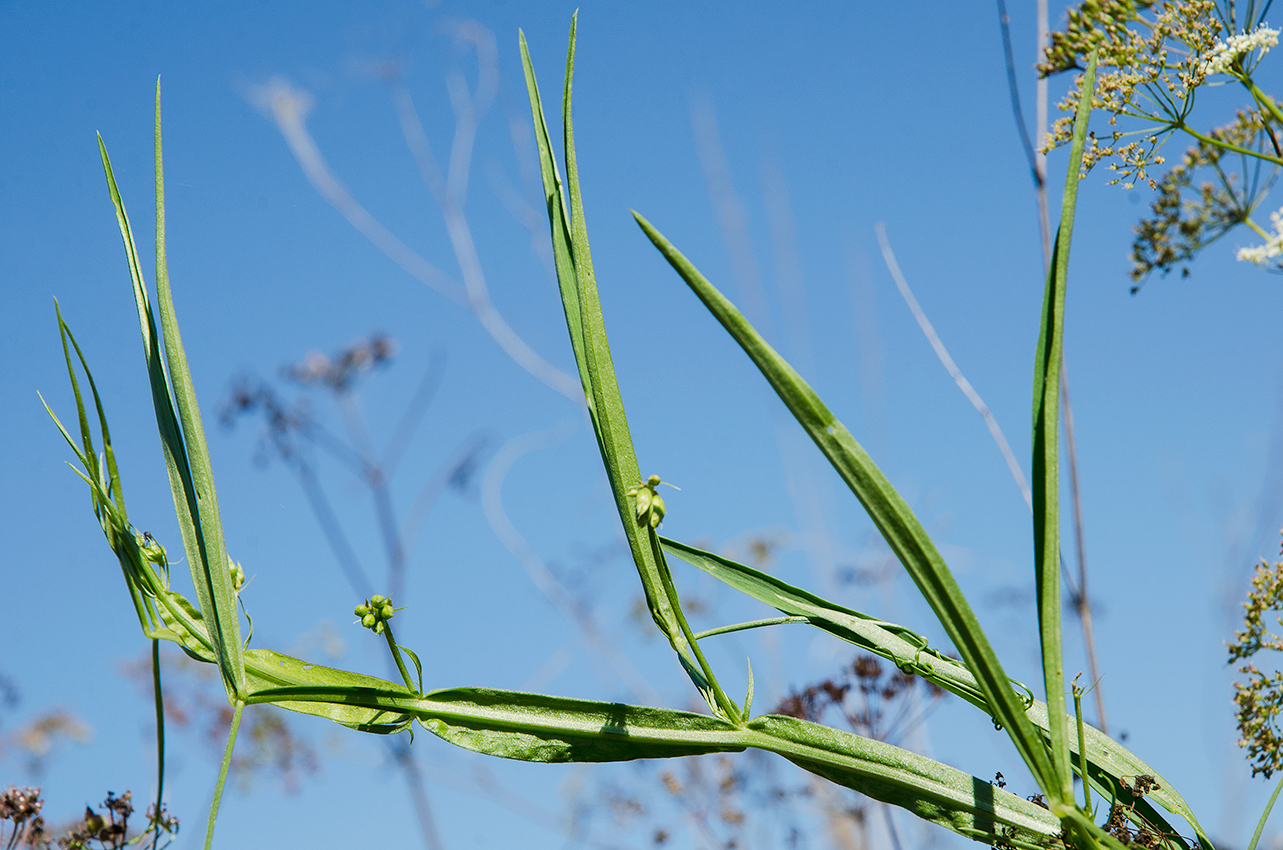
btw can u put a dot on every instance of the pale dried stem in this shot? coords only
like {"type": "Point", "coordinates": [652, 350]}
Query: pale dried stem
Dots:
{"type": "Point", "coordinates": [969, 391]}
{"type": "Point", "coordinates": [801, 482]}
{"type": "Point", "coordinates": [288, 107]}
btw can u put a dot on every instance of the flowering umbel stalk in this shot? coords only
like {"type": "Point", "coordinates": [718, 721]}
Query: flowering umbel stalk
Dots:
{"type": "Point", "coordinates": [1154, 58]}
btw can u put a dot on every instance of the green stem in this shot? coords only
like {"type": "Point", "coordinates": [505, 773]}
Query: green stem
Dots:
{"type": "Point", "coordinates": [1228, 145]}
{"type": "Point", "coordinates": [1059, 784]}
{"type": "Point", "coordinates": [237, 708]}
{"type": "Point", "coordinates": [752, 624]}
{"type": "Point", "coordinates": [1267, 103]}
{"type": "Point", "coordinates": [1263, 99]}
{"type": "Point", "coordinates": [396, 656]}
{"type": "Point", "coordinates": [160, 734]}
{"type": "Point", "coordinates": [1260, 231]}
{"type": "Point", "coordinates": [1082, 748]}
{"type": "Point", "coordinates": [1265, 816]}
{"type": "Point", "coordinates": [727, 705]}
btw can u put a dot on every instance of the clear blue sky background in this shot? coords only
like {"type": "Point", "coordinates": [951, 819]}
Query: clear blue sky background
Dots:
{"type": "Point", "coordinates": [869, 112]}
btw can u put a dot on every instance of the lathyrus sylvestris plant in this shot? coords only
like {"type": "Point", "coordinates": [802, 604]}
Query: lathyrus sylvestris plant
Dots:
{"type": "Point", "coordinates": [1133, 800]}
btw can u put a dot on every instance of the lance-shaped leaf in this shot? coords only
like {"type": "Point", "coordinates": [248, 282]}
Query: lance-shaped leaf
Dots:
{"type": "Point", "coordinates": [587, 329]}
{"type": "Point", "coordinates": [888, 510]}
{"type": "Point", "coordinates": [364, 703]}
{"type": "Point", "coordinates": [1046, 456]}
{"type": "Point", "coordinates": [565, 264]}
{"type": "Point", "coordinates": [933, 791]}
{"type": "Point", "coordinates": [1108, 762]}
{"type": "Point", "coordinates": [904, 647]}
{"type": "Point", "coordinates": [186, 456]}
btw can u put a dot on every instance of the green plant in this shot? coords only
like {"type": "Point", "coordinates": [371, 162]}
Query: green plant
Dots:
{"type": "Point", "coordinates": [1155, 57]}
{"type": "Point", "coordinates": [543, 728]}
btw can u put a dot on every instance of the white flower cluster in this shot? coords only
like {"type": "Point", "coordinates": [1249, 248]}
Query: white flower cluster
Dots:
{"type": "Point", "coordinates": [1225, 52]}
{"type": "Point", "coordinates": [1273, 247]}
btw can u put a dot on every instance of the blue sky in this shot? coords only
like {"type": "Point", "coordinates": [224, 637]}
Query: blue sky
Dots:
{"type": "Point", "coordinates": [863, 113]}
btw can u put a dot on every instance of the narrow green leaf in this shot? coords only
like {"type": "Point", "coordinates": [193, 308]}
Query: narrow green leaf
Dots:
{"type": "Point", "coordinates": [214, 561]}
{"type": "Point", "coordinates": [905, 648]}
{"type": "Point", "coordinates": [364, 703]}
{"type": "Point", "coordinates": [1265, 816]}
{"type": "Point", "coordinates": [1046, 458]}
{"type": "Point", "coordinates": [534, 727]}
{"type": "Point", "coordinates": [933, 791]}
{"type": "Point", "coordinates": [605, 405]}
{"type": "Point", "coordinates": [1108, 760]}
{"type": "Point", "coordinates": [113, 473]}
{"type": "Point", "coordinates": [418, 666]}
{"type": "Point", "coordinates": [76, 447]}
{"type": "Point", "coordinates": [555, 201]}
{"type": "Point", "coordinates": [752, 624]}
{"type": "Point", "coordinates": [889, 512]}
{"type": "Point", "coordinates": [88, 456]}
{"type": "Point", "coordinates": [207, 560]}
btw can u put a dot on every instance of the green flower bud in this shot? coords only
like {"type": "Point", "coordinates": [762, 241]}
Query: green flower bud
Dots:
{"type": "Point", "coordinates": [387, 612]}
{"type": "Point", "coordinates": [362, 610]}
{"type": "Point", "coordinates": [376, 600]}
{"type": "Point", "coordinates": [657, 510]}
{"type": "Point", "coordinates": [378, 627]}
{"type": "Point", "coordinates": [151, 550]}
{"type": "Point", "coordinates": [368, 621]}
{"type": "Point", "coordinates": [238, 575]}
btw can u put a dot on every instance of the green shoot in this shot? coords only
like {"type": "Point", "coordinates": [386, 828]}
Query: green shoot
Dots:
{"type": "Point", "coordinates": [238, 709]}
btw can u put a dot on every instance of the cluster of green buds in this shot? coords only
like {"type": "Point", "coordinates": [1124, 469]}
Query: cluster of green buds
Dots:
{"type": "Point", "coordinates": [374, 612]}
{"type": "Point", "coordinates": [650, 505]}
{"type": "Point", "coordinates": [152, 550]}
{"type": "Point", "coordinates": [238, 574]}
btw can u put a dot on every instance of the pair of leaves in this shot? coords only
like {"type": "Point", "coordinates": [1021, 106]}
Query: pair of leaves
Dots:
{"type": "Point", "coordinates": [1108, 761]}
{"type": "Point", "coordinates": [586, 325]}
{"type": "Point", "coordinates": [182, 435]}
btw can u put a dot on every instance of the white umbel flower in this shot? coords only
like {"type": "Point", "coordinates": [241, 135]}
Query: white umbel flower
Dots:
{"type": "Point", "coordinates": [1225, 52]}
{"type": "Point", "coordinates": [1273, 247]}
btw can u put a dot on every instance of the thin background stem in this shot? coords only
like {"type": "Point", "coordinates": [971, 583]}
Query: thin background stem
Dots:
{"type": "Point", "coordinates": [288, 107]}
{"type": "Point", "coordinates": [535, 568]}
{"type": "Point", "coordinates": [969, 391]}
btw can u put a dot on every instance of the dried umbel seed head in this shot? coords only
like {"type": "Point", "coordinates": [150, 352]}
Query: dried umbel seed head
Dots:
{"type": "Point", "coordinates": [20, 804]}
{"type": "Point", "coordinates": [1259, 694]}
{"type": "Point", "coordinates": [866, 667]}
